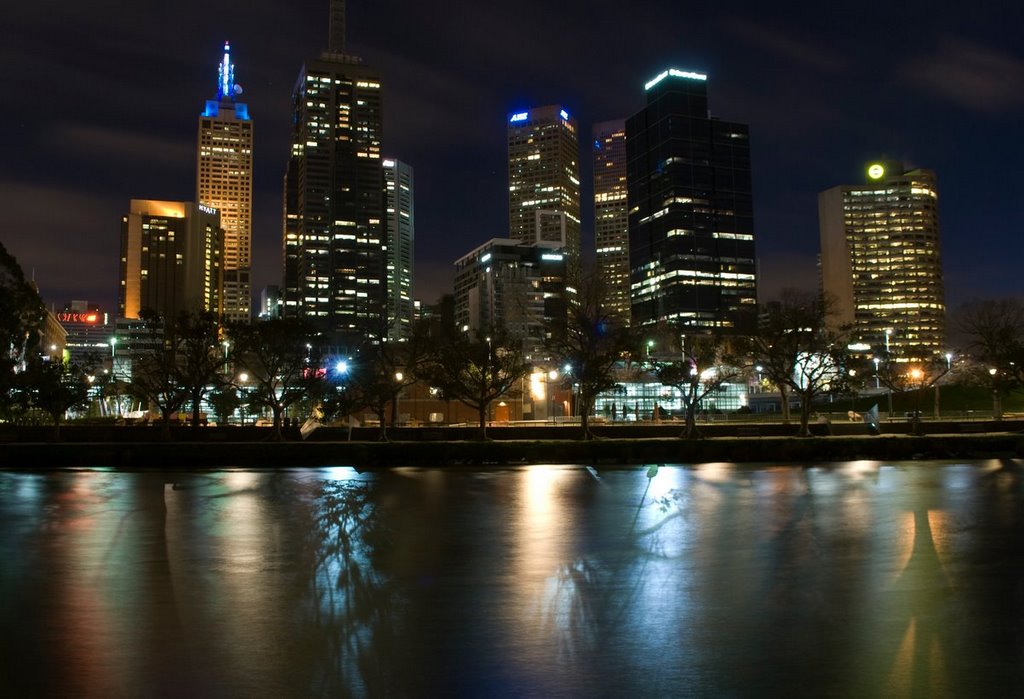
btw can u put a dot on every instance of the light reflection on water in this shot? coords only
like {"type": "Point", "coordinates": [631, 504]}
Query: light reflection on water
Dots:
{"type": "Point", "coordinates": [855, 579]}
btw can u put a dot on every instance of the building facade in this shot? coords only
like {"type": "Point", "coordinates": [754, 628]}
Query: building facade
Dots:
{"type": "Point", "coordinates": [88, 333]}
{"type": "Point", "coordinates": [513, 287]}
{"type": "Point", "coordinates": [171, 259]}
{"type": "Point", "coordinates": [544, 179]}
{"type": "Point", "coordinates": [691, 222]}
{"type": "Point", "coordinates": [611, 220]}
{"type": "Point", "coordinates": [224, 182]}
{"type": "Point", "coordinates": [333, 232]}
{"type": "Point", "coordinates": [400, 239]}
{"type": "Point", "coordinates": [881, 260]}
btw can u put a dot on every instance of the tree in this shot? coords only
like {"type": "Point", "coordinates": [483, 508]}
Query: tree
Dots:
{"type": "Point", "coordinates": [705, 364]}
{"type": "Point", "coordinates": [276, 357]}
{"type": "Point", "coordinates": [382, 370]}
{"type": "Point", "coordinates": [594, 344]}
{"type": "Point", "coordinates": [798, 352]}
{"type": "Point", "coordinates": [225, 401]}
{"type": "Point", "coordinates": [339, 395]}
{"type": "Point", "coordinates": [993, 335]}
{"type": "Point", "coordinates": [21, 318]}
{"type": "Point", "coordinates": [194, 335]}
{"type": "Point", "coordinates": [477, 370]}
{"type": "Point", "coordinates": [156, 377]}
{"type": "Point", "coordinates": [55, 387]}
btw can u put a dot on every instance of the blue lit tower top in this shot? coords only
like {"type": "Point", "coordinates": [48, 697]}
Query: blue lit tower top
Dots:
{"type": "Point", "coordinates": [226, 88]}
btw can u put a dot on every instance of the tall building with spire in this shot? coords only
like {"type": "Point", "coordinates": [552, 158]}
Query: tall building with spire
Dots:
{"type": "Point", "coordinates": [611, 222]}
{"type": "Point", "coordinates": [544, 179]}
{"type": "Point", "coordinates": [691, 218]}
{"type": "Point", "coordinates": [333, 219]}
{"type": "Point", "coordinates": [881, 260]}
{"type": "Point", "coordinates": [224, 182]}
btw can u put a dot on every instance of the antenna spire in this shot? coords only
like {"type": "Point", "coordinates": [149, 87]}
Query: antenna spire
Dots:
{"type": "Point", "coordinates": [226, 75]}
{"type": "Point", "coordinates": [336, 37]}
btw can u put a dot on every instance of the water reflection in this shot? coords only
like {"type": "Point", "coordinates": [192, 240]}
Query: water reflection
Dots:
{"type": "Point", "coordinates": [860, 579]}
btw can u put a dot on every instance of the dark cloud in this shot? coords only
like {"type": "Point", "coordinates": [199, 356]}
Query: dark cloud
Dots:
{"type": "Point", "coordinates": [113, 145]}
{"type": "Point", "coordinates": [67, 240]}
{"type": "Point", "coordinates": [805, 52]}
{"type": "Point", "coordinates": [973, 76]}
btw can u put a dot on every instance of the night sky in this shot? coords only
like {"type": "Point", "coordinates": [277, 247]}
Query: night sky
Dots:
{"type": "Point", "coordinates": [99, 104]}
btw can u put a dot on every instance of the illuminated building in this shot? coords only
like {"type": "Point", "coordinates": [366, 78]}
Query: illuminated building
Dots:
{"type": "Point", "coordinates": [611, 223]}
{"type": "Point", "coordinates": [333, 232]}
{"type": "Point", "coordinates": [170, 258]}
{"type": "Point", "coordinates": [88, 333]}
{"type": "Point", "coordinates": [270, 302]}
{"type": "Point", "coordinates": [224, 182]}
{"type": "Point", "coordinates": [544, 179]}
{"type": "Point", "coordinates": [881, 260]}
{"type": "Point", "coordinates": [400, 227]}
{"type": "Point", "coordinates": [513, 287]}
{"type": "Point", "coordinates": [691, 223]}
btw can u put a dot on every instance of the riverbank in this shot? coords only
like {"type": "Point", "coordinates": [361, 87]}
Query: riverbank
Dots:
{"type": "Point", "coordinates": [191, 455]}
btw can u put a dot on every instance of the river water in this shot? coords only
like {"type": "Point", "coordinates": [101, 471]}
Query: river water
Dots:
{"type": "Point", "coordinates": [856, 579]}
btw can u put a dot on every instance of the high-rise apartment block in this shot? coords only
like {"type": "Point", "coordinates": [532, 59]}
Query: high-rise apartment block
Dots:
{"type": "Point", "coordinates": [171, 254]}
{"type": "Point", "coordinates": [224, 182]}
{"type": "Point", "coordinates": [544, 179]}
{"type": "Point", "coordinates": [611, 220]}
{"type": "Point", "coordinates": [399, 226]}
{"type": "Point", "coordinates": [691, 222]}
{"type": "Point", "coordinates": [333, 232]}
{"type": "Point", "coordinates": [513, 287]}
{"type": "Point", "coordinates": [881, 260]}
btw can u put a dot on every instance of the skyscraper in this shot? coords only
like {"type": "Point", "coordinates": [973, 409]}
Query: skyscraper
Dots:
{"type": "Point", "coordinates": [544, 179]}
{"type": "Point", "coordinates": [611, 222]}
{"type": "Point", "coordinates": [691, 223]}
{"type": "Point", "coordinates": [170, 258]}
{"type": "Point", "coordinates": [224, 182]}
{"type": "Point", "coordinates": [333, 233]}
{"type": "Point", "coordinates": [512, 287]}
{"type": "Point", "coordinates": [881, 260]}
{"type": "Point", "coordinates": [400, 227]}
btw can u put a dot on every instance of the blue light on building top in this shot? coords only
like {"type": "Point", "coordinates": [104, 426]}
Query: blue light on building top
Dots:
{"type": "Point", "coordinates": [564, 114]}
{"type": "Point", "coordinates": [242, 111]}
{"type": "Point", "coordinates": [519, 116]}
{"type": "Point", "coordinates": [212, 108]}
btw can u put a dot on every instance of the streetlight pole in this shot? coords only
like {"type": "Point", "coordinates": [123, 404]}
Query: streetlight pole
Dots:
{"type": "Point", "coordinates": [113, 376]}
{"type": "Point", "coordinates": [997, 407]}
{"type": "Point", "coordinates": [917, 375]}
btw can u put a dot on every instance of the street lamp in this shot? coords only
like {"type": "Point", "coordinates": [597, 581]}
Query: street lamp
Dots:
{"type": "Point", "coordinates": [242, 378]}
{"type": "Point", "coordinates": [917, 376]}
{"type": "Point", "coordinates": [997, 408]}
{"type": "Point", "coordinates": [398, 379]}
{"type": "Point", "coordinates": [113, 375]}
{"type": "Point", "coordinates": [552, 377]}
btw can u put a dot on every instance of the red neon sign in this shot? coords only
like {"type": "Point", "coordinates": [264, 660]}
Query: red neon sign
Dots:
{"type": "Point", "coordinates": [89, 317]}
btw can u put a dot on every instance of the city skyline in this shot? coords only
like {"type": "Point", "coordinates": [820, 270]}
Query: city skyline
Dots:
{"type": "Point", "coordinates": [820, 94]}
